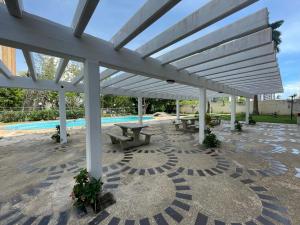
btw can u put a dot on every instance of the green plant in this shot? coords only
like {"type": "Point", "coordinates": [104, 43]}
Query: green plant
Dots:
{"type": "Point", "coordinates": [251, 121]}
{"type": "Point", "coordinates": [207, 119]}
{"type": "Point", "coordinates": [207, 131]}
{"type": "Point", "coordinates": [56, 136]}
{"type": "Point", "coordinates": [210, 140]}
{"type": "Point", "coordinates": [86, 191]}
{"type": "Point", "coordinates": [238, 126]}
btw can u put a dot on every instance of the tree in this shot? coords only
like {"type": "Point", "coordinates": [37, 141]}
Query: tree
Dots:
{"type": "Point", "coordinates": [276, 36]}
{"type": "Point", "coordinates": [11, 97]}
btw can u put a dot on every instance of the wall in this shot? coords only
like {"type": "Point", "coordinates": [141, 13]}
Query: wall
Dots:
{"type": "Point", "coordinates": [281, 107]}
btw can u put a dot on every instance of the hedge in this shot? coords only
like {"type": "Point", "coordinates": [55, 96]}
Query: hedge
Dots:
{"type": "Point", "coordinates": [17, 116]}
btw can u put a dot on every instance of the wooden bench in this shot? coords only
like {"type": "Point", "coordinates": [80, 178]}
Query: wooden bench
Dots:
{"type": "Point", "coordinates": [147, 136]}
{"type": "Point", "coordinates": [119, 139]}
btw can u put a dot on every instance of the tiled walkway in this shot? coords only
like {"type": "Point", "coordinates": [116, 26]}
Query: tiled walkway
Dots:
{"type": "Point", "coordinates": [252, 179]}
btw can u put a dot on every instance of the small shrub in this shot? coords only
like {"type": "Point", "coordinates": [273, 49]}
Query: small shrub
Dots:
{"type": "Point", "coordinates": [56, 136]}
{"type": "Point", "coordinates": [207, 131]}
{"type": "Point", "coordinates": [37, 115]}
{"type": "Point", "coordinates": [238, 126]}
{"type": "Point", "coordinates": [207, 119]}
{"type": "Point", "coordinates": [86, 191]}
{"type": "Point", "coordinates": [251, 121]}
{"type": "Point", "coordinates": [210, 140]}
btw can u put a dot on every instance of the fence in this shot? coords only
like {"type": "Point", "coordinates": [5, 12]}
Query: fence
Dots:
{"type": "Point", "coordinates": [280, 107]}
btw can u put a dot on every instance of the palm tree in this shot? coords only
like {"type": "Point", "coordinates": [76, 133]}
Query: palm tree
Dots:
{"type": "Point", "coordinates": [276, 36]}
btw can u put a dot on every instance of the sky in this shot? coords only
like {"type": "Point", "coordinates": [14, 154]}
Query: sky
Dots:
{"type": "Point", "coordinates": [110, 16]}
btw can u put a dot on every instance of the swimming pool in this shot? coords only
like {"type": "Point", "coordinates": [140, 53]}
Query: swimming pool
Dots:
{"type": "Point", "coordinates": [71, 123]}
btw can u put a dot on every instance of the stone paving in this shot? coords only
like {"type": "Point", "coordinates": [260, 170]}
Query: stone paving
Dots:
{"type": "Point", "coordinates": [253, 178]}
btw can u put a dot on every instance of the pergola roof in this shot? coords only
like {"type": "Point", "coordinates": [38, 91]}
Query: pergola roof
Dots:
{"type": "Point", "coordinates": [238, 59]}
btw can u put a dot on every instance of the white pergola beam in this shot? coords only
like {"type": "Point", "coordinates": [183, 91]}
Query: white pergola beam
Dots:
{"type": "Point", "coordinates": [47, 37]}
{"type": "Point", "coordinates": [240, 65]}
{"type": "Point", "coordinates": [138, 85]}
{"type": "Point", "coordinates": [238, 72]}
{"type": "Point", "coordinates": [244, 76]}
{"type": "Point", "coordinates": [15, 7]}
{"type": "Point", "coordinates": [30, 64]}
{"type": "Point", "coordinates": [27, 83]}
{"type": "Point", "coordinates": [259, 75]}
{"type": "Point", "coordinates": [263, 80]}
{"type": "Point", "coordinates": [260, 84]}
{"type": "Point", "coordinates": [151, 11]}
{"type": "Point", "coordinates": [208, 14]}
{"type": "Point", "coordinates": [238, 29]}
{"type": "Point", "coordinates": [83, 13]}
{"type": "Point", "coordinates": [132, 82]}
{"type": "Point", "coordinates": [77, 79]}
{"type": "Point", "coordinates": [61, 69]}
{"type": "Point", "coordinates": [236, 58]}
{"type": "Point", "coordinates": [117, 79]}
{"type": "Point", "coordinates": [107, 73]}
{"type": "Point", "coordinates": [248, 42]}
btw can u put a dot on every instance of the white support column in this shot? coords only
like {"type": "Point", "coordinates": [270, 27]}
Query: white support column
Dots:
{"type": "Point", "coordinates": [232, 110]}
{"type": "Point", "coordinates": [140, 109]}
{"type": "Point", "coordinates": [92, 118]}
{"type": "Point", "coordinates": [202, 112]}
{"type": "Point", "coordinates": [62, 117]}
{"type": "Point", "coordinates": [177, 111]}
{"type": "Point", "coordinates": [247, 110]}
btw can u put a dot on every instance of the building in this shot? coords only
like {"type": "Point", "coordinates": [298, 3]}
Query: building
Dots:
{"type": "Point", "coordinates": [8, 57]}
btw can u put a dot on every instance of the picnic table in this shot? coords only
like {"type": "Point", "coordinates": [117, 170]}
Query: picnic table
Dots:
{"type": "Point", "coordinates": [134, 127]}
{"type": "Point", "coordinates": [128, 140]}
{"type": "Point", "coordinates": [188, 122]}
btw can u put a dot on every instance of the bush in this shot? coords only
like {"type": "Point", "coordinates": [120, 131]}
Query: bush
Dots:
{"type": "Point", "coordinates": [207, 119]}
{"type": "Point", "coordinates": [210, 140]}
{"type": "Point", "coordinates": [86, 191]}
{"type": "Point", "coordinates": [251, 121]}
{"type": "Point", "coordinates": [36, 115]}
{"type": "Point", "coordinates": [238, 126]}
{"type": "Point", "coordinates": [11, 116]}
{"type": "Point", "coordinates": [56, 136]}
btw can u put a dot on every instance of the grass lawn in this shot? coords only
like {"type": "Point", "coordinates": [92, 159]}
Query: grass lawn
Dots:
{"type": "Point", "coordinates": [263, 118]}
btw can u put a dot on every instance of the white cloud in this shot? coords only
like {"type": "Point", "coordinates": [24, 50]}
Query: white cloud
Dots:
{"type": "Point", "coordinates": [290, 37]}
{"type": "Point", "coordinates": [290, 89]}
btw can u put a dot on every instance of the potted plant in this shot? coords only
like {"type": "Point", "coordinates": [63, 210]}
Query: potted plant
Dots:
{"type": "Point", "coordinates": [238, 126]}
{"type": "Point", "coordinates": [87, 191]}
{"type": "Point", "coordinates": [56, 136]}
{"type": "Point", "coordinates": [210, 140]}
{"type": "Point", "coordinates": [251, 121]}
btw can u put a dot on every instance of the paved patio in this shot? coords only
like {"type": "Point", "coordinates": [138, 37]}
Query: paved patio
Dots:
{"type": "Point", "coordinates": [254, 178]}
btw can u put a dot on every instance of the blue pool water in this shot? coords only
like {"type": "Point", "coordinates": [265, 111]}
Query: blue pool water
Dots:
{"type": "Point", "coordinates": [71, 123]}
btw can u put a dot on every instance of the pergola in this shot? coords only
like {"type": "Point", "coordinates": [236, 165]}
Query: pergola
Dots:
{"type": "Point", "coordinates": [236, 60]}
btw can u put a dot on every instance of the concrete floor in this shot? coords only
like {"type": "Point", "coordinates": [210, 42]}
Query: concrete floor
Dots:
{"type": "Point", "coordinates": [253, 178]}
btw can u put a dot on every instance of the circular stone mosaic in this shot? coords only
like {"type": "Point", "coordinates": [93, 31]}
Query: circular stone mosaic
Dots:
{"type": "Point", "coordinates": [165, 200]}
{"type": "Point", "coordinates": [151, 162]}
{"type": "Point", "coordinates": [206, 163]}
